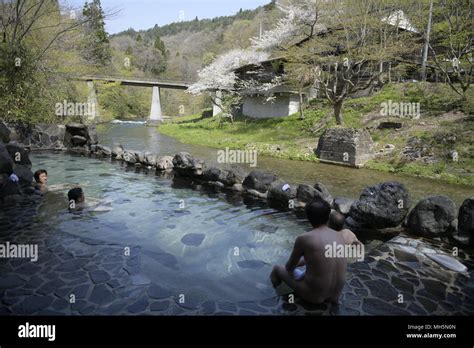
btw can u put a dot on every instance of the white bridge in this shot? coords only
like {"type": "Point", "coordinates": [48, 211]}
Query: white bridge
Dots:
{"type": "Point", "coordinates": [155, 110]}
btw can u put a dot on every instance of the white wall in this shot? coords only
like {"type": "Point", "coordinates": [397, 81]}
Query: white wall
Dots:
{"type": "Point", "coordinates": [282, 106]}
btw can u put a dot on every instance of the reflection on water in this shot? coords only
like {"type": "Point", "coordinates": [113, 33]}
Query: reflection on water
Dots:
{"type": "Point", "coordinates": [213, 242]}
{"type": "Point", "coordinates": [341, 181]}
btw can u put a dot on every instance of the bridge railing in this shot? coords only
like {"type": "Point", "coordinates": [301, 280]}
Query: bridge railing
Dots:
{"type": "Point", "coordinates": [132, 78]}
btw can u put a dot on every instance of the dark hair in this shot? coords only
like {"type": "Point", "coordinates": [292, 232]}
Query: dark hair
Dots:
{"type": "Point", "coordinates": [38, 173]}
{"type": "Point", "coordinates": [318, 212]}
{"type": "Point", "coordinates": [74, 194]}
{"type": "Point", "coordinates": [336, 220]}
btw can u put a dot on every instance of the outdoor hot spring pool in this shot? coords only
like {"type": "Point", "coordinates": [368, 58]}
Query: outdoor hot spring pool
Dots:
{"type": "Point", "coordinates": [211, 244]}
{"type": "Point", "coordinates": [163, 246]}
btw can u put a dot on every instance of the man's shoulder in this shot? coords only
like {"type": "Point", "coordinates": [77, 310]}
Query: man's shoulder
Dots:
{"type": "Point", "coordinates": [348, 232]}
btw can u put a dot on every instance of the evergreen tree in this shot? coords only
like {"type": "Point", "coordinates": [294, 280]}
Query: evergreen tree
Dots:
{"type": "Point", "coordinates": [160, 46]}
{"type": "Point", "coordinates": [97, 41]}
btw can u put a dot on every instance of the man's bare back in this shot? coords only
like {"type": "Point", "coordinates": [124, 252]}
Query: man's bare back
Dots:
{"type": "Point", "coordinates": [324, 277]}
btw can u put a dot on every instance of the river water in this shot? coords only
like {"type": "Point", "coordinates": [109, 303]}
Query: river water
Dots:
{"type": "Point", "coordinates": [341, 181]}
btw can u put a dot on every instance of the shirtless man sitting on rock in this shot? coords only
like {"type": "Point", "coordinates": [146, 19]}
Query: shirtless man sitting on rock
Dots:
{"type": "Point", "coordinates": [324, 277]}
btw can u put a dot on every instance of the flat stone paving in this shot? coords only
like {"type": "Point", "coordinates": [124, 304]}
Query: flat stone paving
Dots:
{"type": "Point", "coordinates": [105, 281]}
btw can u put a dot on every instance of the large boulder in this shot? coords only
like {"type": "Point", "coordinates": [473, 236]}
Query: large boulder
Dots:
{"type": "Point", "coordinates": [102, 150]}
{"type": "Point", "coordinates": [259, 181]}
{"type": "Point", "coordinates": [7, 187]}
{"type": "Point", "coordinates": [92, 134]}
{"type": "Point", "coordinates": [78, 140]}
{"type": "Point", "coordinates": [4, 133]}
{"type": "Point", "coordinates": [140, 156]}
{"type": "Point", "coordinates": [466, 216]}
{"type": "Point", "coordinates": [150, 159]}
{"type": "Point", "coordinates": [14, 159]}
{"type": "Point", "coordinates": [233, 177]}
{"type": "Point", "coordinates": [6, 162]}
{"type": "Point", "coordinates": [280, 194]}
{"type": "Point", "coordinates": [307, 193]}
{"type": "Point", "coordinates": [432, 217]}
{"type": "Point", "coordinates": [186, 165]}
{"type": "Point", "coordinates": [24, 174]}
{"type": "Point", "coordinates": [47, 136]}
{"type": "Point", "coordinates": [117, 149]}
{"type": "Point", "coordinates": [18, 154]}
{"type": "Point", "coordinates": [342, 205]}
{"type": "Point", "coordinates": [213, 174]}
{"type": "Point", "coordinates": [77, 129]}
{"type": "Point", "coordinates": [348, 146]}
{"type": "Point", "coordinates": [381, 206]}
{"type": "Point", "coordinates": [164, 163]}
{"type": "Point", "coordinates": [79, 135]}
{"type": "Point", "coordinates": [129, 157]}
{"type": "Point", "coordinates": [466, 220]}
{"type": "Point", "coordinates": [322, 192]}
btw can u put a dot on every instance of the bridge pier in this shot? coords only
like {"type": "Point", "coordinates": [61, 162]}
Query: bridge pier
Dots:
{"type": "Point", "coordinates": [93, 104]}
{"type": "Point", "coordinates": [155, 110]}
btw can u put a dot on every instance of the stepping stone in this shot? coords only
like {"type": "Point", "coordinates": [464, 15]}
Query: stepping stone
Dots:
{"type": "Point", "coordinates": [244, 312]}
{"type": "Point", "coordinates": [78, 305]}
{"type": "Point", "coordinates": [10, 281]}
{"type": "Point", "coordinates": [113, 283]}
{"type": "Point", "coordinates": [290, 307]}
{"type": "Point", "coordinates": [252, 264]}
{"type": "Point", "coordinates": [382, 289]}
{"type": "Point", "coordinates": [49, 287]}
{"type": "Point", "coordinates": [270, 302]}
{"type": "Point", "coordinates": [138, 306]}
{"type": "Point", "coordinates": [157, 292]}
{"type": "Point", "coordinates": [159, 306]}
{"type": "Point", "coordinates": [208, 307]}
{"type": "Point", "coordinates": [80, 291]}
{"type": "Point", "coordinates": [140, 279]}
{"type": "Point", "coordinates": [163, 258]}
{"type": "Point", "coordinates": [73, 265]}
{"type": "Point", "coordinates": [374, 306]}
{"type": "Point", "coordinates": [101, 295]}
{"type": "Point", "coordinates": [251, 306]}
{"type": "Point", "coordinates": [33, 283]}
{"type": "Point", "coordinates": [193, 239]}
{"type": "Point", "coordinates": [35, 303]}
{"type": "Point", "coordinates": [114, 308]}
{"type": "Point", "coordinates": [228, 306]}
{"type": "Point", "coordinates": [18, 292]}
{"type": "Point", "coordinates": [99, 276]}
{"type": "Point", "coordinates": [60, 304]}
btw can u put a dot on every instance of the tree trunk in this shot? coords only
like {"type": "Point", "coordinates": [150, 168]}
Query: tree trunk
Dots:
{"type": "Point", "coordinates": [338, 112]}
{"type": "Point", "coordinates": [301, 106]}
{"type": "Point", "coordinates": [426, 45]}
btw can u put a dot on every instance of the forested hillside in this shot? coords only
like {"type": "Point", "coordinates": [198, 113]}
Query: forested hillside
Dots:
{"type": "Point", "coordinates": [178, 50]}
{"type": "Point", "coordinates": [44, 45]}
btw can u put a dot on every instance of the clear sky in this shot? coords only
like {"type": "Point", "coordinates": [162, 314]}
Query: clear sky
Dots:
{"type": "Point", "coordinates": [144, 14]}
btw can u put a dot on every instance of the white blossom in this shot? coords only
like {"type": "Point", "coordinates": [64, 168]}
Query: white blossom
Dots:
{"type": "Point", "coordinates": [219, 75]}
{"type": "Point", "coordinates": [298, 20]}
